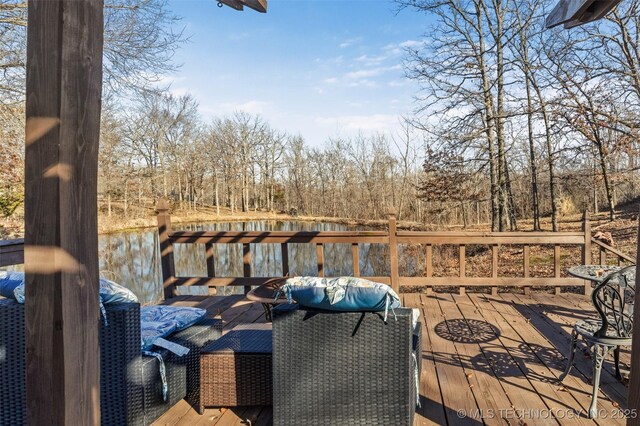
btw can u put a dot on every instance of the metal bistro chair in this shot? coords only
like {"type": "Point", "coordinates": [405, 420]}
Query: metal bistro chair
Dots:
{"type": "Point", "coordinates": [613, 299]}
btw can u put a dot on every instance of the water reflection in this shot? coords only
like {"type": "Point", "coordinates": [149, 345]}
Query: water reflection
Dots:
{"type": "Point", "coordinates": [133, 258]}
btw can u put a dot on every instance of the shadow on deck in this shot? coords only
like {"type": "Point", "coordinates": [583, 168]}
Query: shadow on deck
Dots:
{"type": "Point", "coordinates": [486, 360]}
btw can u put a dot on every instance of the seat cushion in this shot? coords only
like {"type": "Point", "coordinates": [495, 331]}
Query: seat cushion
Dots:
{"type": "Point", "coordinates": [159, 321]}
{"type": "Point", "coordinates": [9, 280]}
{"type": "Point", "coordinates": [347, 294]}
{"type": "Point", "coordinates": [110, 292]}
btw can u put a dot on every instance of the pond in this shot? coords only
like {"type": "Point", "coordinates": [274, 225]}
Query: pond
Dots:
{"type": "Point", "coordinates": [133, 259]}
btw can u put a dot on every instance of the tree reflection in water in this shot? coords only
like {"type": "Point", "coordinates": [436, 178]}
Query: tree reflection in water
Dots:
{"type": "Point", "coordinates": [132, 258]}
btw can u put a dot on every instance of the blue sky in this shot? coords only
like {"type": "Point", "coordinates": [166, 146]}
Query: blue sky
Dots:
{"type": "Point", "coordinates": [317, 68]}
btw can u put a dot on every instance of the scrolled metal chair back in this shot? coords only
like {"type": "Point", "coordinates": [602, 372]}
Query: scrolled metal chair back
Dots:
{"type": "Point", "coordinates": [614, 299]}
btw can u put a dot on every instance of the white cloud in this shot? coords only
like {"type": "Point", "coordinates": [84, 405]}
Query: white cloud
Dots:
{"type": "Point", "coordinates": [331, 80]}
{"type": "Point", "coordinates": [371, 60]}
{"type": "Point", "coordinates": [398, 83]}
{"type": "Point", "coordinates": [252, 107]}
{"type": "Point", "coordinates": [398, 48]}
{"type": "Point", "coordinates": [360, 123]}
{"type": "Point", "coordinates": [354, 75]}
{"type": "Point", "coordinates": [349, 42]}
{"type": "Point", "coordinates": [411, 43]}
{"type": "Point", "coordinates": [370, 72]}
{"type": "Point", "coordinates": [364, 82]}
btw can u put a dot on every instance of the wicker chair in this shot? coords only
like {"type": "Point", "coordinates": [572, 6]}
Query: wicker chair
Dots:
{"type": "Point", "coordinates": [344, 368]}
{"type": "Point", "coordinates": [130, 384]}
{"type": "Point", "coordinates": [613, 300]}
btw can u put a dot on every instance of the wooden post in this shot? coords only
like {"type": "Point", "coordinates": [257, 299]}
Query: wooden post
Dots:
{"type": "Point", "coordinates": [428, 265]}
{"type": "Point", "coordinates": [586, 249]}
{"type": "Point", "coordinates": [320, 259]}
{"type": "Point", "coordinates": [211, 260]}
{"type": "Point", "coordinates": [494, 267]}
{"type": "Point", "coordinates": [355, 256]}
{"type": "Point", "coordinates": [284, 251]}
{"type": "Point", "coordinates": [556, 265]}
{"type": "Point", "coordinates": [633, 399]}
{"type": "Point", "coordinates": [526, 270]}
{"type": "Point", "coordinates": [246, 264]}
{"type": "Point", "coordinates": [393, 251]}
{"type": "Point", "coordinates": [166, 249]}
{"type": "Point", "coordinates": [63, 102]}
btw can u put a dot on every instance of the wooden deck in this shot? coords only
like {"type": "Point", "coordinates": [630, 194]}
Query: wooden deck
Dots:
{"type": "Point", "coordinates": [486, 360]}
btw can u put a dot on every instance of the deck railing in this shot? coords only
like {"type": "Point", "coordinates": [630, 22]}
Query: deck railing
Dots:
{"type": "Point", "coordinates": [391, 237]}
{"type": "Point", "coordinates": [12, 253]}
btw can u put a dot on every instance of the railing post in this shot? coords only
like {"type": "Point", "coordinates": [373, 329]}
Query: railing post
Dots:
{"type": "Point", "coordinates": [428, 265]}
{"type": "Point", "coordinates": [320, 259]}
{"type": "Point", "coordinates": [284, 250]}
{"type": "Point", "coordinates": [586, 249]}
{"type": "Point", "coordinates": [246, 265]}
{"type": "Point", "coordinates": [166, 248]}
{"type": "Point", "coordinates": [393, 251]}
{"type": "Point", "coordinates": [633, 400]}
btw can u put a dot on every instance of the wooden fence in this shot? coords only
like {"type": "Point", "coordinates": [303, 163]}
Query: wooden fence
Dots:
{"type": "Point", "coordinates": [12, 252]}
{"type": "Point", "coordinates": [391, 237]}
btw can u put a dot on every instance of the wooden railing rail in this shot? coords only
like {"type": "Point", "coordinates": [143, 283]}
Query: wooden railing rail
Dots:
{"type": "Point", "coordinates": [392, 237]}
{"type": "Point", "coordinates": [604, 249]}
{"type": "Point", "coordinates": [11, 252]}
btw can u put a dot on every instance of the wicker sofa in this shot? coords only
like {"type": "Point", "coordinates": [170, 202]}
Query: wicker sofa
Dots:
{"type": "Point", "coordinates": [339, 368]}
{"type": "Point", "coordinates": [130, 384]}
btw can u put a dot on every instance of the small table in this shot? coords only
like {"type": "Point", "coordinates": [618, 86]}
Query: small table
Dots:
{"type": "Point", "coordinates": [266, 294]}
{"type": "Point", "coordinates": [596, 273]}
{"type": "Point", "coordinates": [235, 370]}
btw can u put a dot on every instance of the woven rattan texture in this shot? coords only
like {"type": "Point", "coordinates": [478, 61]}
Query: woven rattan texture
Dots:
{"type": "Point", "coordinates": [342, 368]}
{"type": "Point", "coordinates": [130, 386]}
{"type": "Point", "coordinates": [236, 369]}
{"type": "Point", "coordinates": [195, 338]}
{"type": "Point", "coordinates": [121, 389]}
{"type": "Point", "coordinates": [12, 364]}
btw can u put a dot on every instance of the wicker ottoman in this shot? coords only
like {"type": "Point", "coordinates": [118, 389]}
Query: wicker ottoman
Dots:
{"type": "Point", "coordinates": [235, 370]}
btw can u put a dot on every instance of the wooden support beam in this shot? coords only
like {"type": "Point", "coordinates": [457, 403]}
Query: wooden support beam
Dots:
{"type": "Point", "coordinates": [63, 102]}
{"type": "Point", "coordinates": [166, 249]}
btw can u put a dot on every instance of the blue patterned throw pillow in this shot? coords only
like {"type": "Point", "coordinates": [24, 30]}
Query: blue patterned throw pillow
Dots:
{"type": "Point", "coordinates": [159, 321]}
{"type": "Point", "coordinates": [349, 294]}
{"type": "Point", "coordinates": [9, 280]}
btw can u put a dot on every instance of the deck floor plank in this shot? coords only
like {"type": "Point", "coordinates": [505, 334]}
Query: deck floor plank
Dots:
{"type": "Point", "coordinates": [576, 384]}
{"type": "Point", "coordinates": [487, 388]}
{"type": "Point", "coordinates": [431, 410]}
{"type": "Point", "coordinates": [518, 368]}
{"type": "Point", "coordinates": [536, 357]}
{"type": "Point", "coordinates": [457, 394]}
{"type": "Point", "coordinates": [553, 313]}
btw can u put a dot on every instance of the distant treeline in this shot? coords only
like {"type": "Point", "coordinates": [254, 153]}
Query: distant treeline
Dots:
{"type": "Point", "coordinates": [513, 121]}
